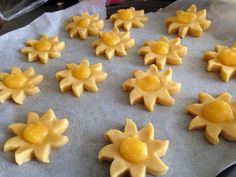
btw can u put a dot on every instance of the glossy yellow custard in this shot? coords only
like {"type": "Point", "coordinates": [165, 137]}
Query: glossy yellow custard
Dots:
{"type": "Point", "coordinates": [134, 150]}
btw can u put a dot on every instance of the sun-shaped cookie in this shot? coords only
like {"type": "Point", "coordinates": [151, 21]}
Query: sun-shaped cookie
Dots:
{"type": "Point", "coordinates": [163, 51]}
{"type": "Point", "coordinates": [190, 22]}
{"type": "Point", "coordinates": [43, 49]}
{"type": "Point", "coordinates": [37, 137]}
{"type": "Point", "coordinates": [128, 18]}
{"type": "Point", "coordinates": [80, 77]}
{"type": "Point", "coordinates": [84, 26]}
{"type": "Point", "coordinates": [18, 84]}
{"type": "Point", "coordinates": [151, 87]}
{"type": "Point", "coordinates": [223, 59]}
{"type": "Point", "coordinates": [215, 115]}
{"type": "Point", "coordinates": [113, 43]}
{"type": "Point", "coordinates": [134, 152]}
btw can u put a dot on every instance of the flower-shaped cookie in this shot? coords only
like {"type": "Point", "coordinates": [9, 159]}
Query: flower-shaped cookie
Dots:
{"type": "Point", "coordinates": [190, 22]}
{"type": "Point", "coordinates": [80, 77]}
{"type": "Point", "coordinates": [152, 87]}
{"type": "Point", "coordinates": [84, 26]}
{"type": "Point", "coordinates": [43, 49]}
{"type": "Point", "coordinates": [18, 84]}
{"type": "Point", "coordinates": [113, 42]}
{"type": "Point", "coordinates": [215, 115]}
{"type": "Point", "coordinates": [133, 151]}
{"type": "Point", "coordinates": [37, 137]}
{"type": "Point", "coordinates": [128, 18]}
{"type": "Point", "coordinates": [163, 51]}
{"type": "Point", "coordinates": [223, 59]}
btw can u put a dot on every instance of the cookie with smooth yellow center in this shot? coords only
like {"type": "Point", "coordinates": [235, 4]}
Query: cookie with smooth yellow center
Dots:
{"type": "Point", "coordinates": [134, 151]}
{"type": "Point", "coordinates": [215, 115]}
{"type": "Point", "coordinates": [84, 26]}
{"type": "Point", "coordinates": [151, 87]}
{"type": "Point", "coordinates": [80, 77]}
{"type": "Point", "coordinates": [43, 49]}
{"type": "Point", "coordinates": [223, 59]}
{"type": "Point", "coordinates": [113, 43]}
{"type": "Point", "coordinates": [129, 18]}
{"type": "Point", "coordinates": [18, 84]}
{"type": "Point", "coordinates": [163, 51]}
{"type": "Point", "coordinates": [37, 137]}
{"type": "Point", "coordinates": [191, 22]}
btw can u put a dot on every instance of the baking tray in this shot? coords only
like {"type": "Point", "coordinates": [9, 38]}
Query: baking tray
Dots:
{"type": "Point", "coordinates": [50, 6]}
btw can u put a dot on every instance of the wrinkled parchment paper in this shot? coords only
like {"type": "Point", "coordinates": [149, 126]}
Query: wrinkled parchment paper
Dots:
{"type": "Point", "coordinates": [189, 154]}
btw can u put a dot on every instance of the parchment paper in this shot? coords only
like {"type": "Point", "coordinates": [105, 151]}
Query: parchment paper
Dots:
{"type": "Point", "coordinates": [189, 154]}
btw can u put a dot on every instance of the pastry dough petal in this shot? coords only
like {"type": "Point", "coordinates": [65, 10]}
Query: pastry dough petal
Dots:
{"type": "Point", "coordinates": [14, 143]}
{"type": "Point", "coordinates": [130, 127]}
{"type": "Point", "coordinates": [138, 171]}
{"type": "Point", "coordinates": [212, 134]}
{"type": "Point", "coordinates": [196, 123]}
{"type": "Point", "coordinates": [17, 128]}
{"type": "Point", "coordinates": [42, 152]}
{"type": "Point", "coordinates": [117, 168]}
{"type": "Point", "coordinates": [147, 133]}
{"type": "Point", "coordinates": [156, 167]}
{"type": "Point", "coordinates": [23, 155]}
{"type": "Point", "coordinates": [158, 147]}
{"type": "Point", "coordinates": [60, 126]}
{"type": "Point", "coordinates": [107, 152]}
{"type": "Point", "coordinates": [114, 135]}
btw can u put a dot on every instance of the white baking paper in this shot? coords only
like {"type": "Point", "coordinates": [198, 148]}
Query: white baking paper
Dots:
{"type": "Point", "coordinates": [90, 116]}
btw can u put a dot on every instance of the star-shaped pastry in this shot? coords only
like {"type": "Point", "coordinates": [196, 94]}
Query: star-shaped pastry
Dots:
{"type": "Point", "coordinates": [129, 18]}
{"type": "Point", "coordinates": [80, 77]}
{"type": "Point", "coordinates": [84, 26]}
{"type": "Point", "coordinates": [133, 151]}
{"type": "Point", "coordinates": [163, 51]}
{"type": "Point", "coordinates": [151, 87]}
{"type": "Point", "coordinates": [37, 137]}
{"type": "Point", "coordinates": [223, 59]}
{"type": "Point", "coordinates": [190, 22]}
{"type": "Point", "coordinates": [215, 115]}
{"type": "Point", "coordinates": [43, 49]}
{"type": "Point", "coordinates": [18, 84]}
{"type": "Point", "coordinates": [113, 43]}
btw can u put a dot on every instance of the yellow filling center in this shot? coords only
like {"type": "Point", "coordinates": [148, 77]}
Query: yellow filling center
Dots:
{"type": "Point", "coordinates": [110, 39]}
{"type": "Point", "coordinates": [228, 57]}
{"type": "Point", "coordinates": [15, 81]}
{"type": "Point", "coordinates": [43, 45]}
{"type": "Point", "coordinates": [126, 14]}
{"type": "Point", "coordinates": [84, 23]}
{"type": "Point", "coordinates": [160, 48]}
{"type": "Point", "coordinates": [35, 133]}
{"type": "Point", "coordinates": [150, 83]}
{"type": "Point", "coordinates": [81, 72]}
{"type": "Point", "coordinates": [186, 17]}
{"type": "Point", "coordinates": [218, 112]}
{"type": "Point", "coordinates": [133, 150]}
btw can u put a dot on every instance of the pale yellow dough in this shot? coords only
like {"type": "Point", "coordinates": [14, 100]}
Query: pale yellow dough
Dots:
{"type": "Point", "coordinates": [194, 26]}
{"type": "Point", "coordinates": [163, 51]}
{"type": "Point", "coordinates": [90, 76]}
{"type": "Point", "coordinates": [43, 49]}
{"type": "Point", "coordinates": [120, 166]}
{"type": "Point", "coordinates": [27, 87]}
{"type": "Point", "coordinates": [24, 150]}
{"type": "Point", "coordinates": [117, 43]}
{"type": "Point", "coordinates": [129, 18]}
{"type": "Point", "coordinates": [160, 89]}
{"type": "Point", "coordinates": [84, 26]}
{"type": "Point", "coordinates": [214, 64]}
{"type": "Point", "coordinates": [217, 127]}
